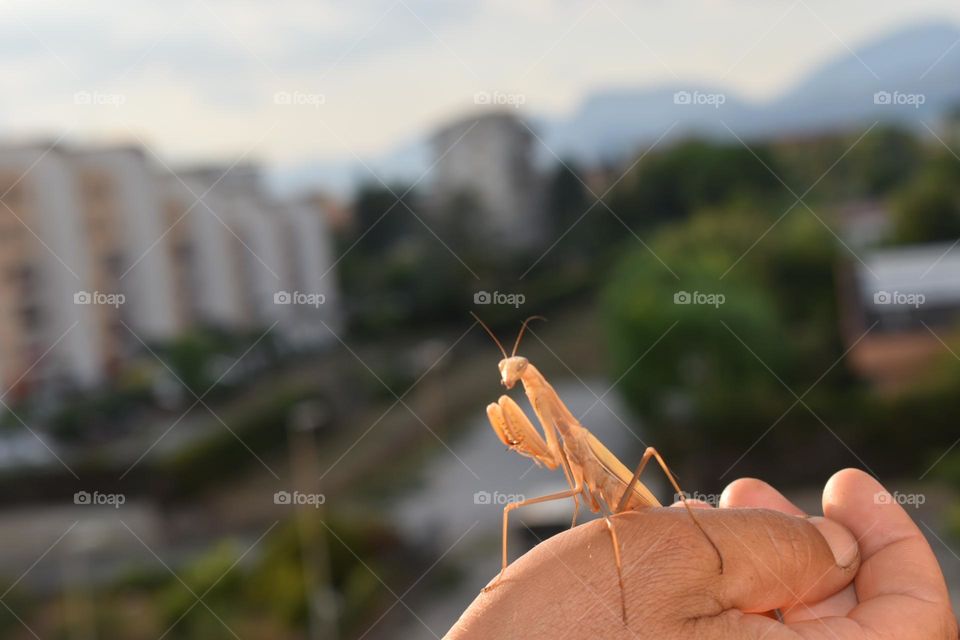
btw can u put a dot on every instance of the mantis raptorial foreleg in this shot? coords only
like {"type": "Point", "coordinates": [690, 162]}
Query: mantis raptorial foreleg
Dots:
{"type": "Point", "coordinates": [651, 452]}
{"type": "Point", "coordinates": [517, 432]}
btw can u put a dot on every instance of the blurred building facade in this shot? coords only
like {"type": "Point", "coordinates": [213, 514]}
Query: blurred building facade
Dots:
{"type": "Point", "coordinates": [101, 253]}
{"type": "Point", "coordinates": [123, 223]}
{"type": "Point", "coordinates": [484, 168]}
{"type": "Point", "coordinates": [46, 340]}
{"type": "Point", "coordinates": [276, 255]}
{"type": "Point", "coordinates": [905, 296]}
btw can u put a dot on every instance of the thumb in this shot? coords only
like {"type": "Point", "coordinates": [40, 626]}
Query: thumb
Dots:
{"type": "Point", "coordinates": [775, 561]}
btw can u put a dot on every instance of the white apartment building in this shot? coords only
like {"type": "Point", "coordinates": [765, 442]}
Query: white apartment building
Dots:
{"type": "Point", "coordinates": [46, 339]}
{"type": "Point", "coordinates": [168, 252]}
{"type": "Point", "coordinates": [309, 274]}
{"type": "Point", "coordinates": [279, 256]}
{"type": "Point", "coordinates": [487, 162]}
{"type": "Point", "coordinates": [207, 289]}
{"type": "Point", "coordinates": [123, 212]}
{"type": "Point", "coordinates": [257, 253]}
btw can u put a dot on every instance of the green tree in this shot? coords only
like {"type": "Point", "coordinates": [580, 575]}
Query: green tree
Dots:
{"type": "Point", "coordinates": [379, 218]}
{"type": "Point", "coordinates": [672, 184]}
{"type": "Point", "coordinates": [928, 209]}
{"type": "Point", "coordinates": [886, 158]}
{"type": "Point", "coordinates": [710, 379]}
{"type": "Point", "coordinates": [401, 265]}
{"type": "Point", "coordinates": [567, 197]}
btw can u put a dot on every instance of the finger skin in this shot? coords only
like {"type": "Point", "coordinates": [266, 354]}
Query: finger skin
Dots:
{"type": "Point", "coordinates": [754, 493]}
{"type": "Point", "coordinates": [567, 587]}
{"type": "Point", "coordinates": [779, 560]}
{"type": "Point", "coordinates": [900, 586]}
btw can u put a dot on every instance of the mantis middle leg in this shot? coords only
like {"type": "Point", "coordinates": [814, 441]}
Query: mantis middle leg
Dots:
{"type": "Point", "coordinates": [561, 495]}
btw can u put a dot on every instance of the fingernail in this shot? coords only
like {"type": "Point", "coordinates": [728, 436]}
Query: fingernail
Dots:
{"type": "Point", "coordinates": [842, 543]}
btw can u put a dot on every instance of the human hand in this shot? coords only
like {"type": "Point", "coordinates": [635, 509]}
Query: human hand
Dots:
{"type": "Point", "coordinates": [567, 587]}
{"type": "Point", "coordinates": [899, 591]}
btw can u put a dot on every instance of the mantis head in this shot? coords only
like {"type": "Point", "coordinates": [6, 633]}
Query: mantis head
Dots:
{"type": "Point", "coordinates": [511, 370]}
{"type": "Point", "coordinates": [512, 366]}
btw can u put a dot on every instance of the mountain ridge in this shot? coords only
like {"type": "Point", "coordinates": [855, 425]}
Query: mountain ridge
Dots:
{"type": "Point", "coordinates": [920, 59]}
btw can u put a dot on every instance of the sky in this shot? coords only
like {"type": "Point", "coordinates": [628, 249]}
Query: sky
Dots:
{"type": "Point", "coordinates": [289, 81]}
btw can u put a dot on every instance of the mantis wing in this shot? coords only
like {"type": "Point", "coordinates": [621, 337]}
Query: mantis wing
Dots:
{"type": "Point", "coordinates": [642, 497]}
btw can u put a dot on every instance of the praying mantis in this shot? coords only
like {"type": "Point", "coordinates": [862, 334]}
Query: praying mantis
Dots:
{"type": "Point", "coordinates": [591, 470]}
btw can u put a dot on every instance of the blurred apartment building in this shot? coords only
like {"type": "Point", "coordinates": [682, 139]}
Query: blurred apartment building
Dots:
{"type": "Point", "coordinates": [122, 222]}
{"type": "Point", "coordinates": [281, 251]}
{"type": "Point", "coordinates": [100, 252]}
{"type": "Point", "coordinates": [45, 339]}
{"type": "Point", "coordinates": [484, 168]}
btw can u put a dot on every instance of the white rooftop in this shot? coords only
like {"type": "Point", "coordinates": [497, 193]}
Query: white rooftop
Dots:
{"type": "Point", "coordinates": [930, 270]}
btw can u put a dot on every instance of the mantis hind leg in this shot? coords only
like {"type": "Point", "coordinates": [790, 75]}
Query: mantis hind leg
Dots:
{"type": "Point", "coordinates": [616, 558]}
{"type": "Point", "coordinates": [654, 454]}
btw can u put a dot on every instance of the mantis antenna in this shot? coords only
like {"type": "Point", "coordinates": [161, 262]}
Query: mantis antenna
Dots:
{"type": "Point", "coordinates": [523, 328]}
{"type": "Point", "coordinates": [492, 334]}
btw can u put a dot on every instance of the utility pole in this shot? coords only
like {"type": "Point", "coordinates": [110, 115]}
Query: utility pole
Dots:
{"type": "Point", "coordinates": [305, 419]}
